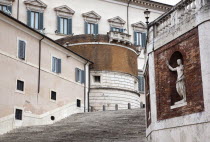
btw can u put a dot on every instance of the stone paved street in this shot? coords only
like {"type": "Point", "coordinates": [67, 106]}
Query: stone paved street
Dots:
{"type": "Point", "coordinates": [109, 126]}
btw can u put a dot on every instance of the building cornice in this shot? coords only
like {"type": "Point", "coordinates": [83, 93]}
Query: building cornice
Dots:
{"type": "Point", "coordinates": [148, 4]}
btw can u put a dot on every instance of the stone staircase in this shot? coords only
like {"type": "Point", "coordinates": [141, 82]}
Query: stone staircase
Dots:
{"type": "Point", "coordinates": [108, 126]}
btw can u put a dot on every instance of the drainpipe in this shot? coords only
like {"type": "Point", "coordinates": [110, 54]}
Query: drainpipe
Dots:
{"type": "Point", "coordinates": [18, 5]}
{"type": "Point", "coordinates": [39, 72]}
{"type": "Point", "coordinates": [85, 88]}
{"type": "Point", "coordinates": [89, 89]}
{"type": "Point", "coordinates": [128, 16]}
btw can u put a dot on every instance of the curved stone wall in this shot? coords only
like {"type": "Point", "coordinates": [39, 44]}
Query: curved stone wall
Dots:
{"type": "Point", "coordinates": [114, 88]}
{"type": "Point", "coordinates": [114, 56]}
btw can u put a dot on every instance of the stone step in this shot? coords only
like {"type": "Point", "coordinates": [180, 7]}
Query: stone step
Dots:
{"type": "Point", "coordinates": [108, 126]}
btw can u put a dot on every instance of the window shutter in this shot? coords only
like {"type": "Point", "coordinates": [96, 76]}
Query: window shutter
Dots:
{"type": "Point", "coordinates": [76, 74]}
{"type": "Point", "coordinates": [143, 40]}
{"type": "Point", "coordinates": [121, 30]}
{"type": "Point", "coordinates": [142, 83]}
{"type": "Point", "coordinates": [9, 8]}
{"type": "Point", "coordinates": [69, 26]}
{"type": "Point", "coordinates": [86, 28]}
{"type": "Point", "coordinates": [58, 24]}
{"type": "Point", "coordinates": [83, 77]}
{"type": "Point", "coordinates": [21, 50]}
{"type": "Point", "coordinates": [41, 21]}
{"type": "Point", "coordinates": [58, 65]}
{"type": "Point", "coordinates": [135, 38]}
{"type": "Point", "coordinates": [95, 28]}
{"type": "Point", "coordinates": [53, 64]}
{"type": "Point", "coordinates": [29, 18]}
{"type": "Point", "coordinates": [112, 29]}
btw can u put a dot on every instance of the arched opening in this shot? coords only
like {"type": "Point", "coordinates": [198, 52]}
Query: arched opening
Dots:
{"type": "Point", "coordinates": [173, 76]}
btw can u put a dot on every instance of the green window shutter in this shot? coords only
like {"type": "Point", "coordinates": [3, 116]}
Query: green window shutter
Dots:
{"type": "Point", "coordinates": [58, 65]}
{"type": "Point", "coordinates": [96, 29]}
{"type": "Point", "coordinates": [9, 8]}
{"type": "Point", "coordinates": [121, 30]}
{"type": "Point", "coordinates": [41, 21]}
{"type": "Point", "coordinates": [58, 24]}
{"type": "Point", "coordinates": [86, 28]}
{"type": "Point", "coordinates": [143, 38]}
{"type": "Point", "coordinates": [135, 38]}
{"type": "Point", "coordinates": [29, 18]}
{"type": "Point", "coordinates": [112, 29]}
{"type": "Point", "coordinates": [69, 26]}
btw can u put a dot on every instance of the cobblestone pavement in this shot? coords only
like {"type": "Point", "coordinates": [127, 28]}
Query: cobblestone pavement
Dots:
{"type": "Point", "coordinates": [109, 126]}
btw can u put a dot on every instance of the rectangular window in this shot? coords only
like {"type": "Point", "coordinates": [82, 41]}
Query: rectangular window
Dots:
{"type": "Point", "coordinates": [91, 28]}
{"type": "Point", "coordinates": [97, 79]}
{"type": "Point", "coordinates": [141, 83]}
{"type": "Point", "coordinates": [20, 85]}
{"type": "Point", "coordinates": [80, 75]}
{"type": "Point", "coordinates": [56, 65]}
{"type": "Point", "coordinates": [18, 114]}
{"type": "Point", "coordinates": [35, 20]}
{"type": "Point", "coordinates": [78, 103]}
{"type": "Point", "coordinates": [21, 49]}
{"type": "Point", "coordinates": [53, 95]}
{"type": "Point", "coordinates": [140, 39]}
{"type": "Point", "coordinates": [64, 25]}
{"type": "Point", "coordinates": [5, 8]}
{"type": "Point", "coordinates": [114, 29]}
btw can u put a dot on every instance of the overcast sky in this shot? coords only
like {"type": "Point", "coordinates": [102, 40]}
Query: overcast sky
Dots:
{"type": "Point", "coordinates": [171, 2]}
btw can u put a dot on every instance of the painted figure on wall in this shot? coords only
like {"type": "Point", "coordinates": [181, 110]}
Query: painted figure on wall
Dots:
{"type": "Point", "coordinates": [180, 83]}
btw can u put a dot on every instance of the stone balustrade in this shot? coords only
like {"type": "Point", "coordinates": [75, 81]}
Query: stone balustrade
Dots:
{"type": "Point", "coordinates": [180, 19]}
{"type": "Point", "coordinates": [120, 37]}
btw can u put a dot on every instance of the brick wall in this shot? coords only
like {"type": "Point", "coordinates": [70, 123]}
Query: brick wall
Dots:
{"type": "Point", "coordinates": [188, 47]}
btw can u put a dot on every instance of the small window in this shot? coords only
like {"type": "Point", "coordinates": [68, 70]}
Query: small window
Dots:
{"type": "Point", "coordinates": [21, 49]}
{"type": "Point", "coordinates": [141, 83]}
{"type": "Point", "coordinates": [6, 9]}
{"type": "Point", "coordinates": [53, 95]}
{"type": "Point", "coordinates": [78, 103]}
{"type": "Point", "coordinates": [97, 79]}
{"type": "Point", "coordinates": [114, 29]}
{"type": "Point", "coordinates": [56, 65]}
{"type": "Point", "coordinates": [140, 39]}
{"type": "Point", "coordinates": [91, 28]}
{"type": "Point", "coordinates": [18, 114]}
{"type": "Point", "coordinates": [80, 75]}
{"type": "Point", "coordinates": [35, 20]}
{"type": "Point", "coordinates": [64, 26]}
{"type": "Point", "coordinates": [20, 85]}
{"type": "Point", "coordinates": [129, 106]}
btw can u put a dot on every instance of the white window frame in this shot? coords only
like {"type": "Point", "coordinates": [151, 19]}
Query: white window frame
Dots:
{"type": "Point", "coordinates": [36, 20]}
{"type": "Point", "coordinates": [90, 28]}
{"type": "Point", "coordinates": [62, 31]}
{"type": "Point", "coordinates": [24, 87]}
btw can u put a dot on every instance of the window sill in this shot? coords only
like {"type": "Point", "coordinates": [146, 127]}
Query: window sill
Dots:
{"type": "Point", "coordinates": [20, 92]}
{"type": "Point", "coordinates": [60, 34]}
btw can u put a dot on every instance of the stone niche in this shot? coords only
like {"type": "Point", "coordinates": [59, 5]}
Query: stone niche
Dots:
{"type": "Point", "coordinates": [186, 48]}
